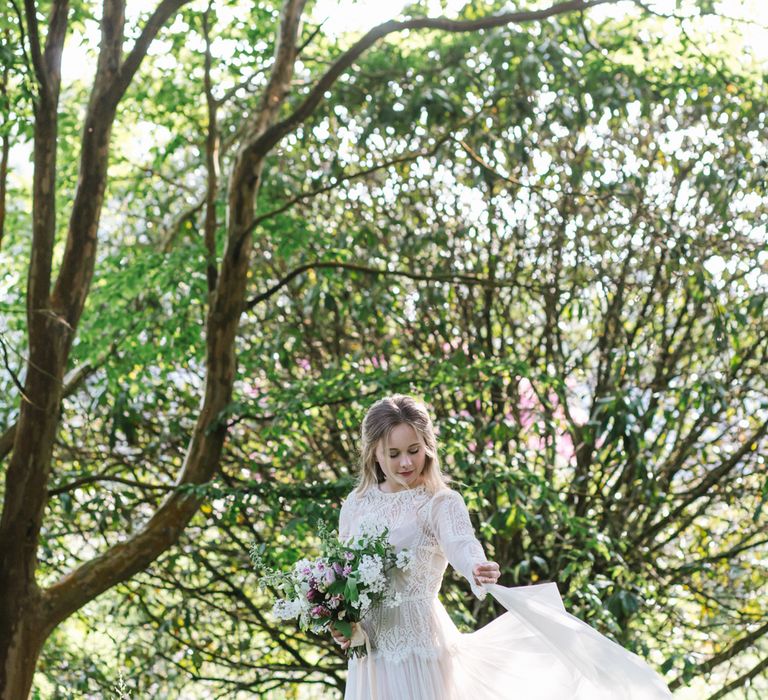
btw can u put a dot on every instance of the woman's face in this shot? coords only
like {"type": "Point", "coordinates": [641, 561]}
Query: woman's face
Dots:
{"type": "Point", "coordinates": [404, 462]}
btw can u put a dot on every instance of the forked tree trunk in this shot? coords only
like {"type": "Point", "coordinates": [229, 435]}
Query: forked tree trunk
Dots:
{"type": "Point", "coordinates": [28, 614]}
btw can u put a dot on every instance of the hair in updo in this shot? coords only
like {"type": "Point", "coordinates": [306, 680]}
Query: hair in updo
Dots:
{"type": "Point", "coordinates": [379, 422]}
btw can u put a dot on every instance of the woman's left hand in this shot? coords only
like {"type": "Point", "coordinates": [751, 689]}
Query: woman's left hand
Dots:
{"type": "Point", "coordinates": [487, 572]}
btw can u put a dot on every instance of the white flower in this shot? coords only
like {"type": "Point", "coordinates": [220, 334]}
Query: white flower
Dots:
{"type": "Point", "coordinates": [371, 571]}
{"type": "Point", "coordinates": [370, 526]}
{"type": "Point", "coordinates": [365, 601]}
{"type": "Point", "coordinates": [319, 627]}
{"type": "Point", "coordinates": [393, 599]}
{"type": "Point", "coordinates": [404, 560]}
{"type": "Point", "coordinates": [299, 568]}
{"type": "Point", "coordinates": [319, 569]}
{"type": "Point", "coordinates": [286, 609]}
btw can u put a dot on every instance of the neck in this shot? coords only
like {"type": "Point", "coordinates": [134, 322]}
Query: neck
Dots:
{"type": "Point", "coordinates": [393, 487]}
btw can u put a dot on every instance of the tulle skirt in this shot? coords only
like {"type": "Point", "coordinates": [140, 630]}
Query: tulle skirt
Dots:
{"type": "Point", "coordinates": [534, 651]}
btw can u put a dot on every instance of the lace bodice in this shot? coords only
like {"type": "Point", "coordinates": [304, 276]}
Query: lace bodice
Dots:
{"type": "Point", "coordinates": [437, 531]}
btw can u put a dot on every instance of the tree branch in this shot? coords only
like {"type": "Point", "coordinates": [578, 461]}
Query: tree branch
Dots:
{"type": "Point", "coordinates": [131, 64]}
{"type": "Point", "coordinates": [97, 478]}
{"type": "Point", "coordinates": [5, 143]}
{"type": "Point", "coordinates": [741, 680]}
{"type": "Point", "coordinates": [459, 278]}
{"type": "Point", "coordinates": [167, 237]}
{"type": "Point", "coordinates": [422, 153]}
{"type": "Point", "coordinates": [71, 383]}
{"type": "Point", "coordinates": [275, 133]}
{"type": "Point", "coordinates": [211, 149]}
{"type": "Point", "coordinates": [491, 170]}
{"type": "Point", "coordinates": [30, 10]}
{"type": "Point", "coordinates": [111, 81]}
{"type": "Point", "coordinates": [7, 363]}
{"type": "Point", "coordinates": [712, 477]}
{"type": "Point", "coordinates": [736, 648]}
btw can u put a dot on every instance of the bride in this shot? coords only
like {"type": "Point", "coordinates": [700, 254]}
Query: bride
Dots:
{"type": "Point", "coordinates": [534, 651]}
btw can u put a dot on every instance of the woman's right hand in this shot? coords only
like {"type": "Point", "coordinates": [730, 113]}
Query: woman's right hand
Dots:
{"type": "Point", "coordinates": [340, 639]}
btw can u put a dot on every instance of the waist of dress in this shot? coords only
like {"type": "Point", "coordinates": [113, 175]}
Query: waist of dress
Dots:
{"type": "Point", "coordinates": [414, 597]}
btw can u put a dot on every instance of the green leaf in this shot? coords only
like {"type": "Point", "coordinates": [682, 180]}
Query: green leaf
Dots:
{"type": "Point", "coordinates": [344, 627]}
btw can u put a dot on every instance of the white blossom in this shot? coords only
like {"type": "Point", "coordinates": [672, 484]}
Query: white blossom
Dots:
{"type": "Point", "coordinates": [393, 599]}
{"type": "Point", "coordinates": [300, 566]}
{"type": "Point", "coordinates": [404, 560]}
{"type": "Point", "coordinates": [319, 568]}
{"type": "Point", "coordinates": [371, 571]}
{"type": "Point", "coordinates": [370, 527]}
{"type": "Point", "coordinates": [286, 609]}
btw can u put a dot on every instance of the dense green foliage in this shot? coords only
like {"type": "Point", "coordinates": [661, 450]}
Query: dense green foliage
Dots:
{"type": "Point", "coordinates": [554, 233]}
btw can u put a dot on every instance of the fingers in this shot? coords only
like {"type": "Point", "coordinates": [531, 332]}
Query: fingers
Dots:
{"type": "Point", "coordinates": [340, 639]}
{"type": "Point", "coordinates": [487, 572]}
{"type": "Point", "coordinates": [343, 642]}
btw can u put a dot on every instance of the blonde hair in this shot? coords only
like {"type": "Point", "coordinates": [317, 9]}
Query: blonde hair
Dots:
{"type": "Point", "coordinates": [379, 422]}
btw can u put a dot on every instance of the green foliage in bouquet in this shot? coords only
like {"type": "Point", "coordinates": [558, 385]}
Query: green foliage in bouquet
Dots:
{"type": "Point", "coordinates": [339, 588]}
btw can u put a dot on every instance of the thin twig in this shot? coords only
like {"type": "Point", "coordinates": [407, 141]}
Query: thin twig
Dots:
{"type": "Point", "coordinates": [448, 277]}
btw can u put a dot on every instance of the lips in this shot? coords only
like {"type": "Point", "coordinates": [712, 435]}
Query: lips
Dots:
{"type": "Point", "coordinates": [406, 473]}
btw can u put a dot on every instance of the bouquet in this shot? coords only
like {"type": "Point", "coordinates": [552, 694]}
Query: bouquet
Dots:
{"type": "Point", "coordinates": [339, 588]}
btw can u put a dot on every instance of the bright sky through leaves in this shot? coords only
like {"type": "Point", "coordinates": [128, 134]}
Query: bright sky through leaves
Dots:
{"type": "Point", "coordinates": [79, 57]}
{"type": "Point", "coordinates": [362, 15]}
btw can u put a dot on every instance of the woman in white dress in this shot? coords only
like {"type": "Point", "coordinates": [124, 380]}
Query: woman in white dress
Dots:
{"type": "Point", "coordinates": [534, 651]}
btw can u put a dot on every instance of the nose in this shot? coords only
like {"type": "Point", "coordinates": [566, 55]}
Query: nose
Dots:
{"type": "Point", "coordinates": [405, 461]}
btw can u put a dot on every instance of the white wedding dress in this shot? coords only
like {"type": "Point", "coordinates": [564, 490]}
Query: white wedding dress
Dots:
{"type": "Point", "coordinates": [534, 651]}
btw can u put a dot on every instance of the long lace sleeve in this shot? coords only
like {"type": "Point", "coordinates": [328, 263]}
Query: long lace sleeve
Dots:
{"type": "Point", "coordinates": [345, 517]}
{"type": "Point", "coordinates": [453, 529]}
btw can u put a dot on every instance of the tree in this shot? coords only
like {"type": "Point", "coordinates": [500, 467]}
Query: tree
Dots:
{"type": "Point", "coordinates": [57, 294]}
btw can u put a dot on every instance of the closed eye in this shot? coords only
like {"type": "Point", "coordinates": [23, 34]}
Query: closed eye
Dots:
{"type": "Point", "coordinates": [411, 452]}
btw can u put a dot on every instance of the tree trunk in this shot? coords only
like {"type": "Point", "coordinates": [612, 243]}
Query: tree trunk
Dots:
{"type": "Point", "coordinates": [50, 337]}
{"type": "Point", "coordinates": [23, 646]}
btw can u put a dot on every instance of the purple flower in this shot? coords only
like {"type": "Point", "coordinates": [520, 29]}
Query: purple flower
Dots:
{"type": "Point", "coordinates": [320, 611]}
{"type": "Point", "coordinates": [337, 568]}
{"type": "Point", "coordinates": [330, 577]}
{"type": "Point", "coordinates": [349, 556]}
{"type": "Point", "coordinates": [347, 570]}
{"type": "Point", "coordinates": [313, 594]}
